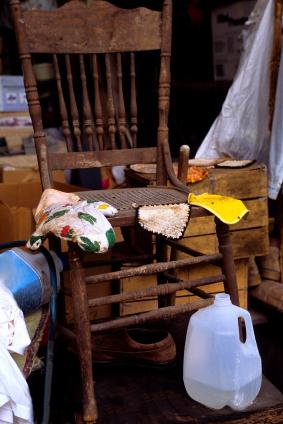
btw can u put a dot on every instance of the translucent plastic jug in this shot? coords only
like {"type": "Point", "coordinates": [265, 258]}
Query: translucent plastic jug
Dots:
{"type": "Point", "coordinates": [27, 276]}
{"type": "Point", "coordinates": [219, 368]}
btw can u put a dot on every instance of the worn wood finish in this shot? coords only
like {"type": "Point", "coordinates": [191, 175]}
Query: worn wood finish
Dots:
{"type": "Point", "coordinates": [110, 103]}
{"type": "Point", "coordinates": [82, 331]}
{"type": "Point", "coordinates": [151, 303]}
{"type": "Point", "coordinates": [133, 105]}
{"type": "Point", "coordinates": [228, 265]}
{"type": "Point", "coordinates": [121, 104]}
{"type": "Point", "coordinates": [88, 119]}
{"type": "Point", "coordinates": [245, 243]}
{"type": "Point", "coordinates": [73, 105]}
{"type": "Point", "coordinates": [153, 268]}
{"type": "Point", "coordinates": [244, 183]}
{"type": "Point", "coordinates": [93, 291]}
{"type": "Point", "coordinates": [30, 82]}
{"type": "Point", "coordinates": [74, 160]}
{"type": "Point", "coordinates": [62, 105]}
{"type": "Point", "coordinates": [166, 312]}
{"type": "Point", "coordinates": [162, 290]}
{"type": "Point", "coordinates": [97, 28]}
{"type": "Point", "coordinates": [97, 103]}
{"type": "Point", "coordinates": [94, 51]}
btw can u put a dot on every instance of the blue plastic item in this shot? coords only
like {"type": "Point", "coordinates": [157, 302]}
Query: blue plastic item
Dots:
{"type": "Point", "coordinates": [27, 276]}
{"type": "Point", "coordinates": [53, 273]}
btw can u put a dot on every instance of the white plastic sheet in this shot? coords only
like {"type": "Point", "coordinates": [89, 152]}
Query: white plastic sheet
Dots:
{"type": "Point", "coordinates": [15, 399]}
{"type": "Point", "coordinates": [241, 130]}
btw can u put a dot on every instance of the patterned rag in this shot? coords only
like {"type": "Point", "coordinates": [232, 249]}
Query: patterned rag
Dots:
{"type": "Point", "coordinates": [69, 218]}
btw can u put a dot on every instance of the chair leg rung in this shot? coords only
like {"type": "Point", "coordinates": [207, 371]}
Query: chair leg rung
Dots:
{"type": "Point", "coordinates": [148, 269]}
{"type": "Point", "coordinates": [159, 290]}
{"type": "Point", "coordinates": [162, 313]}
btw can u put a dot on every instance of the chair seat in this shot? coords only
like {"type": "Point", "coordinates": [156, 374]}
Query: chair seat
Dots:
{"type": "Point", "coordinates": [127, 200]}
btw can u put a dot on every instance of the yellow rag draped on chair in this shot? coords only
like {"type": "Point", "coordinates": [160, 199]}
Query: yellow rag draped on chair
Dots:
{"type": "Point", "coordinates": [227, 209]}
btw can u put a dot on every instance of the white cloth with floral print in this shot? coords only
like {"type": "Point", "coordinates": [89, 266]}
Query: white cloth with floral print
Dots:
{"type": "Point", "coordinates": [80, 221]}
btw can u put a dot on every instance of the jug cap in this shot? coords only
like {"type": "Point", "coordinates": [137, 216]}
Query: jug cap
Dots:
{"type": "Point", "coordinates": [222, 299]}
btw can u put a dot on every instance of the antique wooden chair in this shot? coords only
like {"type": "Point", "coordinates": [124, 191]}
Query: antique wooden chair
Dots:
{"type": "Point", "coordinates": [100, 119]}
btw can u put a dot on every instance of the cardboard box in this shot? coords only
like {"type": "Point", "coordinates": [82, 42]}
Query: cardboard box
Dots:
{"type": "Point", "coordinates": [16, 204]}
{"type": "Point", "coordinates": [23, 169]}
{"type": "Point", "coordinates": [27, 175]}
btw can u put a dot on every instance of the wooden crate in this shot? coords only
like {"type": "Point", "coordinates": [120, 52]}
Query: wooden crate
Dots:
{"type": "Point", "coordinates": [250, 235]}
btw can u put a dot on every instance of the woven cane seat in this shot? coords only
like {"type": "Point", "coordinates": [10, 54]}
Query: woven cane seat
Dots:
{"type": "Point", "coordinates": [127, 200]}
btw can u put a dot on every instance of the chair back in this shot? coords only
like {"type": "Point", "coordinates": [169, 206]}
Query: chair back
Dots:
{"type": "Point", "coordinates": [103, 90]}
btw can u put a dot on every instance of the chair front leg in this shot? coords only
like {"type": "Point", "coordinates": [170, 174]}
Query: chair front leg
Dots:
{"type": "Point", "coordinates": [83, 334]}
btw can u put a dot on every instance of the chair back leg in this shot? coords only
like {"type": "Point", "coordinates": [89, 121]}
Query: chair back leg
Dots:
{"type": "Point", "coordinates": [228, 265]}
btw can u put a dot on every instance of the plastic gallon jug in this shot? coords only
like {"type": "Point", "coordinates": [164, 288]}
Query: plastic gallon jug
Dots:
{"type": "Point", "coordinates": [27, 276]}
{"type": "Point", "coordinates": [219, 368]}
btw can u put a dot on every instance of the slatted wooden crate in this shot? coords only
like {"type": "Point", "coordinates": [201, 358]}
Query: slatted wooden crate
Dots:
{"type": "Point", "coordinates": [250, 235]}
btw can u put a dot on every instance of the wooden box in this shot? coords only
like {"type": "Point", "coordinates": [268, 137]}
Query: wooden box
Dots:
{"type": "Point", "coordinates": [250, 235]}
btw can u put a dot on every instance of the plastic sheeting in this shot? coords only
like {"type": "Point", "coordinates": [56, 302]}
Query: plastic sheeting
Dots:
{"type": "Point", "coordinates": [241, 129]}
{"type": "Point", "coordinates": [15, 399]}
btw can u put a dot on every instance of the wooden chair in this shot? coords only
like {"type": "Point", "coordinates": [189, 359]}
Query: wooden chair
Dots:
{"type": "Point", "coordinates": [100, 120]}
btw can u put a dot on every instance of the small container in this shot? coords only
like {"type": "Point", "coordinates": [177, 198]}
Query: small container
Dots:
{"type": "Point", "coordinates": [219, 368]}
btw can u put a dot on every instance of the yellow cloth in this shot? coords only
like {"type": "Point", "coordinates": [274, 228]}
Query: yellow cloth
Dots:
{"type": "Point", "coordinates": [227, 209]}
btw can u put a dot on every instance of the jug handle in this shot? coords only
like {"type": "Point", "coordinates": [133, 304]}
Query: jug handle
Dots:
{"type": "Point", "coordinates": [249, 326]}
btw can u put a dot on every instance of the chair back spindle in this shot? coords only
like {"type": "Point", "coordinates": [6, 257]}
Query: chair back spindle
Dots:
{"type": "Point", "coordinates": [73, 105]}
{"type": "Point", "coordinates": [133, 113]}
{"type": "Point", "coordinates": [97, 103]}
{"type": "Point", "coordinates": [62, 105]}
{"type": "Point", "coordinates": [121, 104]}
